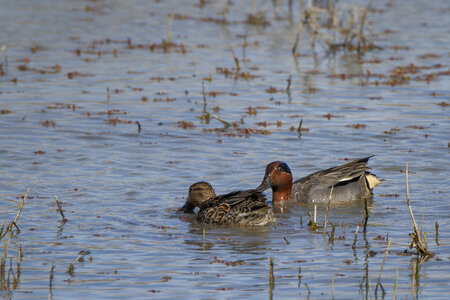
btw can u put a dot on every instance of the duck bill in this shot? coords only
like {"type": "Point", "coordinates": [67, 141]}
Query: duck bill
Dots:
{"type": "Point", "coordinates": [265, 184]}
{"type": "Point", "coordinates": [187, 208]}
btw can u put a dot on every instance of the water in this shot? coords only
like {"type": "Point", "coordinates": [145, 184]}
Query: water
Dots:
{"type": "Point", "coordinates": [120, 188]}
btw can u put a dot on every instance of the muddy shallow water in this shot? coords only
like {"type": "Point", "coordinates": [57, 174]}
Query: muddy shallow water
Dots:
{"type": "Point", "coordinates": [76, 76]}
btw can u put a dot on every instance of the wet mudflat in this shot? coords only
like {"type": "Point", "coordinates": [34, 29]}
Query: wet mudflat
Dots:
{"type": "Point", "coordinates": [117, 108]}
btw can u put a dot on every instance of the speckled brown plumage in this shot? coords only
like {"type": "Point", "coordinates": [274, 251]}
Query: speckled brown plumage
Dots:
{"type": "Point", "coordinates": [247, 207]}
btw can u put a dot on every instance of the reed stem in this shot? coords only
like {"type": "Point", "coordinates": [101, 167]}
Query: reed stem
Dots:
{"type": "Point", "coordinates": [381, 269]}
{"type": "Point", "coordinates": [60, 210]}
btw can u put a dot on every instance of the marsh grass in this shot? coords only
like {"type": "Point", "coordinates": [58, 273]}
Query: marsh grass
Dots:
{"type": "Point", "coordinates": [417, 242]}
{"type": "Point", "coordinates": [334, 28]}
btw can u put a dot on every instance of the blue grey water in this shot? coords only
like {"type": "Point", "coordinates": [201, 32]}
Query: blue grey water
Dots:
{"type": "Point", "coordinates": [119, 188]}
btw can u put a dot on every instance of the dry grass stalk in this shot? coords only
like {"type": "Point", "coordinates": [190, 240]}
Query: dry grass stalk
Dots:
{"type": "Point", "coordinates": [328, 207]}
{"type": "Point", "coordinates": [437, 232]}
{"type": "Point", "coordinates": [50, 285]}
{"type": "Point", "coordinates": [225, 123]}
{"type": "Point", "coordinates": [204, 97]}
{"type": "Point", "coordinates": [309, 291]}
{"type": "Point", "coordinates": [236, 61]}
{"type": "Point", "coordinates": [381, 270]}
{"type": "Point", "coordinates": [288, 87]}
{"type": "Point", "coordinates": [10, 226]}
{"type": "Point", "coordinates": [395, 284]}
{"type": "Point", "coordinates": [21, 205]}
{"type": "Point", "coordinates": [64, 220]}
{"type": "Point", "coordinates": [416, 237]}
{"type": "Point", "coordinates": [2, 234]}
{"type": "Point", "coordinates": [299, 129]}
{"type": "Point", "coordinates": [79, 258]}
{"type": "Point", "coordinates": [315, 213]}
{"type": "Point", "coordinates": [169, 29]}
{"type": "Point", "coordinates": [139, 126]}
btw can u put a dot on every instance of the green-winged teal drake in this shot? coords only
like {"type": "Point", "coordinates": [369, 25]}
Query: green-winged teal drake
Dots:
{"type": "Point", "coordinates": [236, 208]}
{"type": "Point", "coordinates": [350, 181]}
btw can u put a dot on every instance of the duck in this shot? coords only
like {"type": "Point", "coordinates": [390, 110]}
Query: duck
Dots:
{"type": "Point", "coordinates": [346, 183]}
{"type": "Point", "coordinates": [248, 207]}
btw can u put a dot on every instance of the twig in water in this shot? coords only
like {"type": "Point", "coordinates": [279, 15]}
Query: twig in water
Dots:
{"type": "Point", "coordinates": [315, 212]}
{"type": "Point", "coordinates": [1, 230]}
{"type": "Point", "coordinates": [299, 129]}
{"type": "Point", "coordinates": [381, 270]}
{"type": "Point", "coordinates": [416, 238]}
{"type": "Point", "coordinates": [139, 126]}
{"type": "Point", "coordinates": [221, 120]}
{"type": "Point", "coordinates": [312, 225]}
{"type": "Point", "coordinates": [204, 97]}
{"type": "Point", "coordinates": [395, 284]}
{"type": "Point", "coordinates": [9, 227]}
{"type": "Point", "coordinates": [331, 237]}
{"type": "Point", "coordinates": [437, 232]}
{"type": "Point", "coordinates": [71, 267]}
{"type": "Point", "coordinates": [299, 276]}
{"type": "Point", "coordinates": [107, 95]}
{"type": "Point", "coordinates": [236, 61]}
{"type": "Point", "coordinates": [64, 220]}
{"type": "Point", "coordinates": [169, 29]}
{"type": "Point", "coordinates": [288, 88]}
{"type": "Point", "coordinates": [50, 285]}
{"type": "Point", "coordinates": [20, 209]}
{"type": "Point", "coordinates": [244, 45]}
{"type": "Point", "coordinates": [287, 242]}
{"type": "Point", "coordinates": [242, 119]}
{"type": "Point", "coordinates": [309, 292]}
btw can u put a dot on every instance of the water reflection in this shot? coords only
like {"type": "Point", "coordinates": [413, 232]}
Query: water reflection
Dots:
{"type": "Point", "coordinates": [237, 239]}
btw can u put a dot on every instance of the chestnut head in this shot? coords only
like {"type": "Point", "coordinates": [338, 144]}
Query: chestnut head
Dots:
{"type": "Point", "coordinates": [278, 176]}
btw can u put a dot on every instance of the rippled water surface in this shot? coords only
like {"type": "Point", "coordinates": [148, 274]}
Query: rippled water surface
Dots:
{"type": "Point", "coordinates": [78, 79]}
